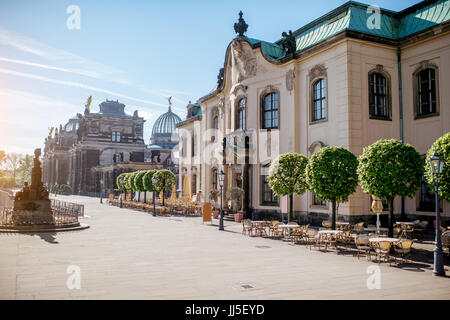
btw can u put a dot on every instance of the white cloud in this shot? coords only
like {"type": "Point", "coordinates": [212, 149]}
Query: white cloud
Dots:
{"type": "Point", "coordinates": [72, 63]}
{"type": "Point", "coordinates": [77, 85]}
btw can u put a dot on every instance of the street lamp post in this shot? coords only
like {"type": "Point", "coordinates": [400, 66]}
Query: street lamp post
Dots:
{"type": "Point", "coordinates": [437, 166]}
{"type": "Point", "coordinates": [154, 195]}
{"type": "Point", "coordinates": [221, 178]}
{"type": "Point", "coordinates": [101, 190]}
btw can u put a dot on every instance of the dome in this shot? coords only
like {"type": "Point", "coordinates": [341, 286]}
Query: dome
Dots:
{"type": "Point", "coordinates": [166, 123]}
{"type": "Point", "coordinates": [165, 133]}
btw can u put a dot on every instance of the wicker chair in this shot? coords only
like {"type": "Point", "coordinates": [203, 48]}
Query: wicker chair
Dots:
{"type": "Point", "coordinates": [277, 232]}
{"type": "Point", "coordinates": [326, 224]}
{"type": "Point", "coordinates": [445, 238]}
{"type": "Point", "coordinates": [247, 227]}
{"type": "Point", "coordinates": [403, 249]}
{"type": "Point", "coordinates": [311, 238]}
{"type": "Point", "coordinates": [358, 228]}
{"type": "Point", "coordinates": [382, 250]}
{"type": "Point", "coordinates": [343, 240]}
{"type": "Point", "coordinates": [362, 246]}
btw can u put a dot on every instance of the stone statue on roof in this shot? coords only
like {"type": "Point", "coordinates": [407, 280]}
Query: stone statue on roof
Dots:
{"type": "Point", "coordinates": [288, 42]}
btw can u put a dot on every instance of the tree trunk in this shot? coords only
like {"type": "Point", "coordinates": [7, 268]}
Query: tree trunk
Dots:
{"type": "Point", "coordinates": [291, 202]}
{"type": "Point", "coordinates": [391, 217]}
{"type": "Point", "coordinates": [164, 197]}
{"type": "Point", "coordinates": [333, 214]}
{"type": "Point", "coordinates": [145, 196]}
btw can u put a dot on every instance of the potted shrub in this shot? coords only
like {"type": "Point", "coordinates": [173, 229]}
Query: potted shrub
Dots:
{"type": "Point", "coordinates": [236, 195]}
{"type": "Point", "coordinates": [213, 196]}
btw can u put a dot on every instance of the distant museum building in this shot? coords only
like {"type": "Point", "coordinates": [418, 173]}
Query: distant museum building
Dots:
{"type": "Point", "coordinates": [92, 149]}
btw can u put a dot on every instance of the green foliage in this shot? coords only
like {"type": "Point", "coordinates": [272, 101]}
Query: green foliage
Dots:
{"type": "Point", "coordinates": [235, 195]}
{"type": "Point", "coordinates": [64, 189]}
{"type": "Point", "coordinates": [442, 147]}
{"type": "Point", "coordinates": [165, 180]}
{"type": "Point", "coordinates": [214, 194]}
{"type": "Point", "coordinates": [127, 181]}
{"type": "Point", "coordinates": [138, 181]}
{"type": "Point", "coordinates": [120, 181]}
{"type": "Point", "coordinates": [147, 180]}
{"type": "Point", "coordinates": [24, 170]}
{"type": "Point", "coordinates": [331, 174]}
{"type": "Point", "coordinates": [287, 174]}
{"type": "Point", "coordinates": [7, 182]}
{"type": "Point", "coordinates": [131, 181]}
{"type": "Point", "coordinates": [390, 168]}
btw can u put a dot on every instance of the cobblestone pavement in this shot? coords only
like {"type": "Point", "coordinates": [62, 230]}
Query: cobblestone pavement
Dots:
{"type": "Point", "coordinates": [127, 254]}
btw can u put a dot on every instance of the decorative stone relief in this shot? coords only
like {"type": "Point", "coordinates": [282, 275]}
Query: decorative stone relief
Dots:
{"type": "Point", "coordinates": [243, 61]}
{"type": "Point", "coordinates": [317, 70]}
{"type": "Point", "coordinates": [290, 75]}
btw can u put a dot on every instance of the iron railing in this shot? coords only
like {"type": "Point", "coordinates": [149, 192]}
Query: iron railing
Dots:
{"type": "Point", "coordinates": [63, 213]}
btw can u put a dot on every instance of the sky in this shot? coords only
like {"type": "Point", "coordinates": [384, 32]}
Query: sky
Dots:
{"type": "Point", "coordinates": [137, 52]}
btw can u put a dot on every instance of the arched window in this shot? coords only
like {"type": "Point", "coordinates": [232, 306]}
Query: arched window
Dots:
{"type": "Point", "coordinates": [215, 123]}
{"type": "Point", "coordinates": [241, 116]}
{"type": "Point", "coordinates": [319, 103]}
{"type": "Point", "coordinates": [378, 96]}
{"type": "Point", "coordinates": [270, 111]}
{"type": "Point", "coordinates": [426, 93]}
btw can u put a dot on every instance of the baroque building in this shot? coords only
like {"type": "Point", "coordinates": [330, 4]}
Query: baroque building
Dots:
{"type": "Point", "coordinates": [92, 149]}
{"type": "Point", "coordinates": [348, 78]}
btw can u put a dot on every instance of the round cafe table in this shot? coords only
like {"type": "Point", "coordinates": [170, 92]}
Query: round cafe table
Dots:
{"type": "Point", "coordinates": [335, 232]}
{"type": "Point", "coordinates": [384, 239]}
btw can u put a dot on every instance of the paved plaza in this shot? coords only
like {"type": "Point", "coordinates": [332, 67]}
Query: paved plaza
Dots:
{"type": "Point", "coordinates": [128, 254]}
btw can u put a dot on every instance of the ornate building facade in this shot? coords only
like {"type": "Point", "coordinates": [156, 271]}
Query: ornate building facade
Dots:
{"type": "Point", "coordinates": [338, 81]}
{"type": "Point", "coordinates": [92, 149]}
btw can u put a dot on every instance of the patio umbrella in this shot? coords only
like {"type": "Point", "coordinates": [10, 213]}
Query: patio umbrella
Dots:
{"type": "Point", "coordinates": [377, 207]}
{"type": "Point", "coordinates": [187, 190]}
{"type": "Point", "coordinates": [173, 196]}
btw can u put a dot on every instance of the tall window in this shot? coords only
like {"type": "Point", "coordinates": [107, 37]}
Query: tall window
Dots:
{"type": "Point", "coordinates": [426, 92]}
{"type": "Point", "coordinates": [241, 123]}
{"type": "Point", "coordinates": [427, 201]}
{"type": "Point", "coordinates": [378, 97]}
{"type": "Point", "coordinates": [270, 111]}
{"type": "Point", "coordinates": [268, 197]}
{"type": "Point", "coordinates": [115, 136]}
{"type": "Point", "coordinates": [214, 179]}
{"type": "Point", "coordinates": [193, 145]}
{"type": "Point", "coordinates": [319, 100]}
{"type": "Point", "coordinates": [215, 126]}
{"type": "Point", "coordinates": [317, 202]}
{"type": "Point", "coordinates": [194, 184]}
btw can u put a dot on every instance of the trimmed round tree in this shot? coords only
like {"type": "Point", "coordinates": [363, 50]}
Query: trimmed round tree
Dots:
{"type": "Point", "coordinates": [331, 174]}
{"type": "Point", "coordinates": [442, 147]}
{"type": "Point", "coordinates": [390, 168]}
{"type": "Point", "coordinates": [120, 182]}
{"type": "Point", "coordinates": [147, 181]}
{"type": "Point", "coordinates": [287, 176]}
{"type": "Point", "coordinates": [138, 183]}
{"type": "Point", "coordinates": [165, 180]}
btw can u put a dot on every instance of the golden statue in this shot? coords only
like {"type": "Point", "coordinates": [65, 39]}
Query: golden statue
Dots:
{"type": "Point", "coordinates": [88, 104]}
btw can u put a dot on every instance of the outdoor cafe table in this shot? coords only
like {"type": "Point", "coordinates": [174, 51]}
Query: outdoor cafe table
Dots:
{"type": "Point", "coordinates": [335, 232]}
{"type": "Point", "coordinates": [384, 239]}
{"type": "Point", "coordinates": [374, 229]}
{"type": "Point", "coordinates": [288, 227]}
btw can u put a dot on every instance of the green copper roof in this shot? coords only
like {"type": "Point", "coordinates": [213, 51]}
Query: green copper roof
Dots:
{"type": "Point", "coordinates": [353, 16]}
{"type": "Point", "coordinates": [429, 16]}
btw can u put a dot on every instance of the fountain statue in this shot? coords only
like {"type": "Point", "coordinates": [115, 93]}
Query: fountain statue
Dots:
{"type": "Point", "coordinates": [32, 204]}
